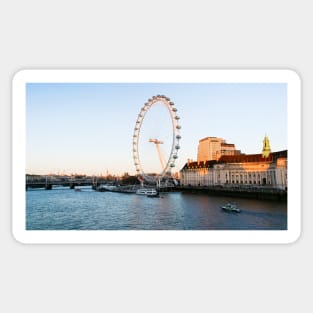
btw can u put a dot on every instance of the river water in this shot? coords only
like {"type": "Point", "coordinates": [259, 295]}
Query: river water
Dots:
{"type": "Point", "coordinates": [65, 209]}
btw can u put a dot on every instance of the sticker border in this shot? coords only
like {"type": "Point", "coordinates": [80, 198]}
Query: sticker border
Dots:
{"type": "Point", "coordinates": [287, 76]}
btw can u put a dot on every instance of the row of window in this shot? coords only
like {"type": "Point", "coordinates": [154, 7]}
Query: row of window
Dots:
{"type": "Point", "coordinates": [237, 176]}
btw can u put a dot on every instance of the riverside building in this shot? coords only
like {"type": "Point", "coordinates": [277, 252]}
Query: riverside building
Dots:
{"type": "Point", "coordinates": [267, 170]}
{"type": "Point", "coordinates": [212, 148]}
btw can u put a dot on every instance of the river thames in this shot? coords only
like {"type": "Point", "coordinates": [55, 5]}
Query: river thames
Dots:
{"type": "Point", "coordinates": [65, 209]}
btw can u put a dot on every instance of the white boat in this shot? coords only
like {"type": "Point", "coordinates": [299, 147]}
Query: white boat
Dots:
{"type": "Point", "coordinates": [230, 207]}
{"type": "Point", "coordinates": [108, 187]}
{"type": "Point", "coordinates": [147, 192]}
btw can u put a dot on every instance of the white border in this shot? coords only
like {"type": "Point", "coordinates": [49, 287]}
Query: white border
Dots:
{"type": "Point", "coordinates": [161, 237]}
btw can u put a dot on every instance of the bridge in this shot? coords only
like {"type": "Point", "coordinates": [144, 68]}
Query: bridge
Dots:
{"type": "Point", "coordinates": [48, 182]}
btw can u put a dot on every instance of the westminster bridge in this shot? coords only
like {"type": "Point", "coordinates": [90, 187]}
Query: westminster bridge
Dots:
{"type": "Point", "coordinates": [48, 182]}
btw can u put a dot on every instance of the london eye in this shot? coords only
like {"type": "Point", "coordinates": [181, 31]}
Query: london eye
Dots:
{"type": "Point", "coordinates": [167, 163]}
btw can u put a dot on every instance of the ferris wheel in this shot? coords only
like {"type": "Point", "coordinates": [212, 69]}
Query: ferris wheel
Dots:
{"type": "Point", "coordinates": [168, 164]}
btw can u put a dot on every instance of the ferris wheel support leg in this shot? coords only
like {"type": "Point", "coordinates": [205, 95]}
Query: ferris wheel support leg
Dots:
{"type": "Point", "coordinates": [158, 183]}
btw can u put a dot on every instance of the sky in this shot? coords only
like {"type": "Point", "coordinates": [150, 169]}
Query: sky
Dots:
{"type": "Point", "coordinates": [88, 127]}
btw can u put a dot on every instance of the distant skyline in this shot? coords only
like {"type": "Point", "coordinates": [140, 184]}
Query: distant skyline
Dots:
{"type": "Point", "coordinates": [88, 127]}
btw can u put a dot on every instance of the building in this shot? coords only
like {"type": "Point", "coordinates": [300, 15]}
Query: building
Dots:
{"type": "Point", "coordinates": [212, 148]}
{"type": "Point", "coordinates": [266, 170]}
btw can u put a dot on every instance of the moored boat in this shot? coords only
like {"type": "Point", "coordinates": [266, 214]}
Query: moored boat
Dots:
{"type": "Point", "coordinates": [157, 195]}
{"type": "Point", "coordinates": [108, 187]}
{"type": "Point", "coordinates": [147, 192]}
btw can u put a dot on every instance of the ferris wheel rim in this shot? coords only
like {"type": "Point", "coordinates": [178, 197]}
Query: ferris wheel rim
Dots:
{"type": "Point", "coordinates": [175, 132]}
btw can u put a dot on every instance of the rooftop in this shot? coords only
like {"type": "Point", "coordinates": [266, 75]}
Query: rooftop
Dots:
{"type": "Point", "coordinates": [241, 158]}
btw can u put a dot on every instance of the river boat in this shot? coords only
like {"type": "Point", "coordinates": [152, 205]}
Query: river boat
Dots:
{"type": "Point", "coordinates": [157, 195]}
{"type": "Point", "coordinates": [230, 207]}
{"type": "Point", "coordinates": [147, 192]}
{"type": "Point", "coordinates": [107, 188]}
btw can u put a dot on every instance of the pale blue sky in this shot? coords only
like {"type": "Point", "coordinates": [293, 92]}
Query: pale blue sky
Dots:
{"type": "Point", "coordinates": [88, 127]}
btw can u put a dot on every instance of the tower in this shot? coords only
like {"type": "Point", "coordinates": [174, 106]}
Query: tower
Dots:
{"type": "Point", "coordinates": [208, 148]}
{"type": "Point", "coordinates": [266, 147]}
{"type": "Point", "coordinates": [212, 148]}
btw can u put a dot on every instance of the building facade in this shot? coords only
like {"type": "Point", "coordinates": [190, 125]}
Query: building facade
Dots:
{"type": "Point", "coordinates": [212, 148]}
{"type": "Point", "coordinates": [246, 171]}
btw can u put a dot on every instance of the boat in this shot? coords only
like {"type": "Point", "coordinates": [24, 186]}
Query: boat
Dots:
{"type": "Point", "coordinates": [108, 187]}
{"type": "Point", "coordinates": [157, 195]}
{"type": "Point", "coordinates": [147, 192]}
{"type": "Point", "coordinates": [230, 207]}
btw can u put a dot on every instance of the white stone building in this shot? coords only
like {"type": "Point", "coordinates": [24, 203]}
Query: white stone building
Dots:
{"type": "Point", "coordinates": [242, 170]}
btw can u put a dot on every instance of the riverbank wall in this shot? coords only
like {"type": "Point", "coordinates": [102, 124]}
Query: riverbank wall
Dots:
{"type": "Point", "coordinates": [253, 193]}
